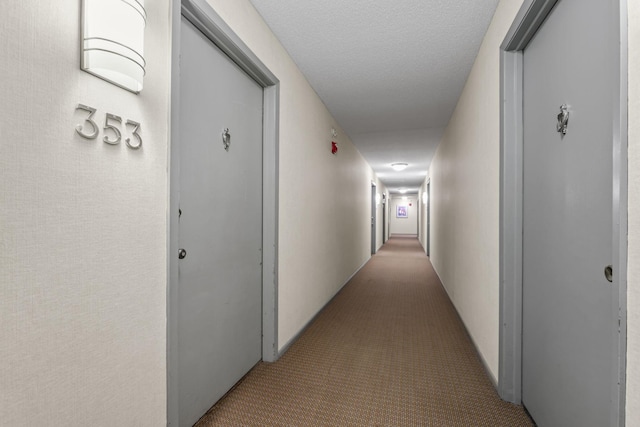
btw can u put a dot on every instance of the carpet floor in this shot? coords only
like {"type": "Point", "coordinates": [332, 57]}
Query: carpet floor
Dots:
{"type": "Point", "coordinates": [389, 350]}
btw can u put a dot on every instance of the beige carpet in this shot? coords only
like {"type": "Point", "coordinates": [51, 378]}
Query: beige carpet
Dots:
{"type": "Point", "coordinates": [389, 350]}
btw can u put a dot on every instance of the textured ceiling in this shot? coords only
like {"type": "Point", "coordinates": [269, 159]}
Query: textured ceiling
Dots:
{"type": "Point", "coordinates": [390, 71]}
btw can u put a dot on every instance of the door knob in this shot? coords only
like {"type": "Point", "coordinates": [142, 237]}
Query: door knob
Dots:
{"type": "Point", "coordinates": [608, 273]}
{"type": "Point", "coordinates": [182, 254]}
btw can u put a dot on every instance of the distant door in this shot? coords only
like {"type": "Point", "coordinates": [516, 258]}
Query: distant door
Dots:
{"type": "Point", "coordinates": [428, 218]}
{"type": "Point", "coordinates": [220, 226]}
{"type": "Point", "coordinates": [384, 218]}
{"type": "Point", "coordinates": [569, 306]}
{"type": "Point", "coordinates": [419, 208]}
{"type": "Point", "coordinates": [373, 219]}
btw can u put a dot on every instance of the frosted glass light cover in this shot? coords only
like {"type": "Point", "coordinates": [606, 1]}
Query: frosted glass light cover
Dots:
{"type": "Point", "coordinates": [399, 166]}
{"type": "Point", "coordinates": [113, 41]}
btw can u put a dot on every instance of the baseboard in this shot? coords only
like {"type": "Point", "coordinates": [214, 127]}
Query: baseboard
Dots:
{"type": "Point", "coordinates": [493, 379]}
{"type": "Point", "coordinates": [315, 316]}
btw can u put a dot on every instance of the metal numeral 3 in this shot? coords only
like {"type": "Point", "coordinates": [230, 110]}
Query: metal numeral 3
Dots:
{"type": "Point", "coordinates": [89, 120]}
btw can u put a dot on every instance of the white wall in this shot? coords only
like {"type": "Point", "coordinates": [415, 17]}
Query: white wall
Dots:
{"type": "Point", "coordinates": [83, 225]}
{"type": "Point", "coordinates": [633, 292]}
{"type": "Point", "coordinates": [407, 225]}
{"type": "Point", "coordinates": [465, 194]}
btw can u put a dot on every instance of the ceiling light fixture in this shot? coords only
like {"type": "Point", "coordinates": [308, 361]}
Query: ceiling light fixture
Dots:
{"type": "Point", "coordinates": [399, 166]}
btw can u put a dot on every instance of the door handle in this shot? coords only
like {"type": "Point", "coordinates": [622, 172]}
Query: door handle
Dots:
{"type": "Point", "coordinates": [226, 139]}
{"type": "Point", "coordinates": [182, 253]}
{"type": "Point", "coordinates": [563, 119]}
{"type": "Point", "coordinates": [608, 273]}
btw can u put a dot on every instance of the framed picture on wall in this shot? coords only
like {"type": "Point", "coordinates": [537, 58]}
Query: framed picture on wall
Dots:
{"type": "Point", "coordinates": [402, 212]}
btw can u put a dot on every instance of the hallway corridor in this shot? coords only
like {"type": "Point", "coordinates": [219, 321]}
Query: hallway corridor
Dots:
{"type": "Point", "coordinates": [389, 350]}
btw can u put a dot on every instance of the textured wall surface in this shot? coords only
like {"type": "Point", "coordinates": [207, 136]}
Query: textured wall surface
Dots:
{"type": "Point", "coordinates": [83, 226]}
{"type": "Point", "coordinates": [633, 290]}
{"type": "Point", "coordinates": [325, 211]}
{"type": "Point", "coordinates": [465, 194]}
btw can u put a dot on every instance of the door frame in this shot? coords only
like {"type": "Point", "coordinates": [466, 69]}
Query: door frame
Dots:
{"type": "Point", "coordinates": [526, 23]}
{"type": "Point", "coordinates": [374, 218]}
{"type": "Point", "coordinates": [428, 234]}
{"type": "Point", "coordinates": [203, 16]}
{"type": "Point", "coordinates": [384, 218]}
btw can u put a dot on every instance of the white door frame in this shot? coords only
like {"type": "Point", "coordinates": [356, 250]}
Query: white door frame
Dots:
{"type": "Point", "coordinates": [202, 15]}
{"type": "Point", "coordinates": [525, 25]}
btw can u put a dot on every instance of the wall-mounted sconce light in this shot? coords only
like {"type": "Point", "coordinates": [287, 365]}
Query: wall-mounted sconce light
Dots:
{"type": "Point", "coordinates": [399, 166]}
{"type": "Point", "coordinates": [113, 41]}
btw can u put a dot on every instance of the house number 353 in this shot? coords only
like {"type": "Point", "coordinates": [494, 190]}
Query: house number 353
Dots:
{"type": "Point", "coordinates": [112, 128]}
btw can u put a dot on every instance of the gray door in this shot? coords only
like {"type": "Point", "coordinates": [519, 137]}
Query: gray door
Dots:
{"type": "Point", "coordinates": [384, 218]}
{"type": "Point", "coordinates": [220, 226]}
{"type": "Point", "coordinates": [429, 219]}
{"type": "Point", "coordinates": [373, 219]}
{"type": "Point", "coordinates": [569, 319]}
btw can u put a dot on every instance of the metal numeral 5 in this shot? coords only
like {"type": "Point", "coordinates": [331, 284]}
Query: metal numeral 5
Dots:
{"type": "Point", "coordinates": [115, 130]}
